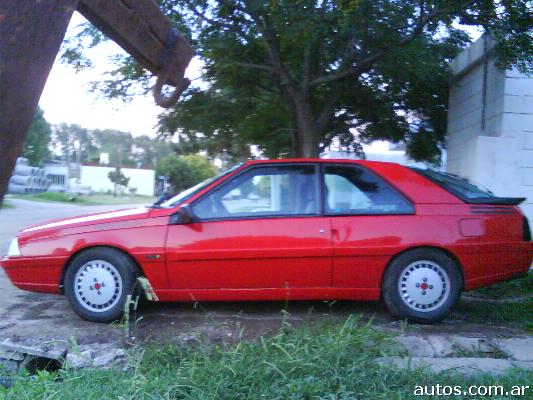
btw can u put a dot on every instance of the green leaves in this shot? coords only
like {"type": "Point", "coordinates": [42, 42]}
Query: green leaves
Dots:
{"type": "Point", "coordinates": [36, 144]}
{"type": "Point", "coordinates": [185, 172]}
{"type": "Point", "coordinates": [118, 178]}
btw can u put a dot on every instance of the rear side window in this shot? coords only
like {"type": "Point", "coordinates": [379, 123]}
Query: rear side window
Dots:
{"type": "Point", "coordinates": [461, 187]}
{"type": "Point", "coordinates": [354, 190]}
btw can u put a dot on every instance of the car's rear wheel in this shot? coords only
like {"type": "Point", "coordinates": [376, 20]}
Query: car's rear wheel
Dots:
{"type": "Point", "coordinates": [97, 282]}
{"type": "Point", "coordinates": [422, 285]}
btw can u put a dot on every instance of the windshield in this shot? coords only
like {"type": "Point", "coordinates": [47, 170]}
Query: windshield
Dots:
{"type": "Point", "coordinates": [461, 187]}
{"type": "Point", "coordinates": [186, 194]}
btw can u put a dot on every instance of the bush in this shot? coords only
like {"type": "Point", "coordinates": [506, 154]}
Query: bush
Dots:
{"type": "Point", "coordinates": [186, 171]}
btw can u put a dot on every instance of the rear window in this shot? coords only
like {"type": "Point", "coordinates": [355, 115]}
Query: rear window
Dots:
{"type": "Point", "coordinates": [461, 187]}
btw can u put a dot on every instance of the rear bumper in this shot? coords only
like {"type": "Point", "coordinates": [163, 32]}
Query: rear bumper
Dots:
{"type": "Point", "coordinates": [497, 264]}
{"type": "Point", "coordinates": [36, 274]}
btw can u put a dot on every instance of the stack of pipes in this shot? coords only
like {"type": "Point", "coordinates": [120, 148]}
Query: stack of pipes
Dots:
{"type": "Point", "coordinates": [27, 179]}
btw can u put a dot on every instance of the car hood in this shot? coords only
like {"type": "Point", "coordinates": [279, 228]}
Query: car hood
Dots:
{"type": "Point", "coordinates": [86, 220]}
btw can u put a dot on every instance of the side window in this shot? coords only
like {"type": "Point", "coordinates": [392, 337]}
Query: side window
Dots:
{"type": "Point", "coordinates": [354, 190]}
{"type": "Point", "coordinates": [264, 191]}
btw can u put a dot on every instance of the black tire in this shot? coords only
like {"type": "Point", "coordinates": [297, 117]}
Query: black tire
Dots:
{"type": "Point", "coordinates": [120, 282]}
{"type": "Point", "coordinates": [400, 285]}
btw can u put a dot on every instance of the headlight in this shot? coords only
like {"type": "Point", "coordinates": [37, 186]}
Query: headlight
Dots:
{"type": "Point", "coordinates": [13, 248]}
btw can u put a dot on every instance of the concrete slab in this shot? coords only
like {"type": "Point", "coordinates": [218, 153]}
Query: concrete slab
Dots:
{"type": "Point", "coordinates": [466, 366]}
{"type": "Point", "coordinates": [520, 349]}
{"type": "Point", "coordinates": [416, 346]}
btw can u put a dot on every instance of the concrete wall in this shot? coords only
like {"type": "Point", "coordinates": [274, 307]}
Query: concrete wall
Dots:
{"type": "Point", "coordinates": [97, 178]}
{"type": "Point", "coordinates": [490, 125]}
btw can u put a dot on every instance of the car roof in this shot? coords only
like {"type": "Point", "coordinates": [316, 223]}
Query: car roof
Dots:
{"type": "Point", "coordinates": [320, 160]}
{"type": "Point", "coordinates": [413, 185]}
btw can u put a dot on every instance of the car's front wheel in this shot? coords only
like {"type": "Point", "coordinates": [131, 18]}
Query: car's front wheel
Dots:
{"type": "Point", "coordinates": [97, 283]}
{"type": "Point", "coordinates": [422, 285]}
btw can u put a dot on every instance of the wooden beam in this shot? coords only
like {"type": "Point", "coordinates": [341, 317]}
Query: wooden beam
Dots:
{"type": "Point", "coordinates": [141, 29]}
{"type": "Point", "coordinates": [31, 32]}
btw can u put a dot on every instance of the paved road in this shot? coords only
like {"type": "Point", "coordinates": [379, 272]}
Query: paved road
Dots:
{"type": "Point", "coordinates": [29, 317]}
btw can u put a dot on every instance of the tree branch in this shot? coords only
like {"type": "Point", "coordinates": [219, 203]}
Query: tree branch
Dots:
{"type": "Point", "coordinates": [366, 63]}
{"type": "Point", "coordinates": [267, 68]}
{"type": "Point", "coordinates": [271, 41]}
{"type": "Point", "coordinates": [354, 70]}
{"type": "Point", "coordinates": [203, 17]}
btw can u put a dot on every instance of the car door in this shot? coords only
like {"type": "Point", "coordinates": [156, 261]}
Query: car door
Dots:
{"type": "Point", "coordinates": [369, 220]}
{"type": "Point", "coordinates": [261, 229]}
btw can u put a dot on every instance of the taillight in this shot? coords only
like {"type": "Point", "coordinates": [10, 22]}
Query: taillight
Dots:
{"type": "Point", "coordinates": [526, 230]}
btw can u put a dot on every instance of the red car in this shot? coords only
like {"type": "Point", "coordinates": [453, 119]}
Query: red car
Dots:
{"type": "Point", "coordinates": [287, 230]}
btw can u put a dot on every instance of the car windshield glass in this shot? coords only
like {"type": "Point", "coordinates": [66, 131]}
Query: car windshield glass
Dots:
{"type": "Point", "coordinates": [186, 194]}
{"type": "Point", "coordinates": [461, 187]}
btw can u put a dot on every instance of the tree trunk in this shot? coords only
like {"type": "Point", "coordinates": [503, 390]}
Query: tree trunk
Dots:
{"type": "Point", "coordinates": [31, 32]}
{"type": "Point", "coordinates": [308, 132]}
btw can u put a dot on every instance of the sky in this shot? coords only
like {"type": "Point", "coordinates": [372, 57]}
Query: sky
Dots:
{"type": "Point", "coordinates": [66, 96]}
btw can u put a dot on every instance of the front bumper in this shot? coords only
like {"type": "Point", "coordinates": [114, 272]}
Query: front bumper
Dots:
{"type": "Point", "coordinates": [36, 274]}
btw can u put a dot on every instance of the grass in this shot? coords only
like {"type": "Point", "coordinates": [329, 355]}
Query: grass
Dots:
{"type": "Point", "coordinates": [95, 199]}
{"type": "Point", "coordinates": [327, 361]}
{"type": "Point", "coordinates": [506, 303]}
{"type": "Point", "coordinates": [514, 288]}
{"type": "Point", "coordinates": [513, 314]}
{"type": "Point", "coordinates": [6, 205]}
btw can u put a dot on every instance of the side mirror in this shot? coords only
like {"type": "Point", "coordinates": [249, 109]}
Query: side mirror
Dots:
{"type": "Point", "coordinates": [184, 215]}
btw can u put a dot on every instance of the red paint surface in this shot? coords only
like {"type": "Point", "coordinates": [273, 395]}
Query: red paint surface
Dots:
{"type": "Point", "coordinates": [336, 257]}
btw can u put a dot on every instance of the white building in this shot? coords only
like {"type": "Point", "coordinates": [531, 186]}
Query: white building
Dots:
{"type": "Point", "coordinates": [490, 124]}
{"type": "Point", "coordinates": [97, 177]}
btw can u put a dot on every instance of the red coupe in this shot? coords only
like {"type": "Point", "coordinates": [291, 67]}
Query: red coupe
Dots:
{"type": "Point", "coordinates": [287, 230]}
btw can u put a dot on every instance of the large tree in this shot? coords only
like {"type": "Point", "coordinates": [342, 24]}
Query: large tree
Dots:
{"type": "Point", "coordinates": [295, 76]}
{"type": "Point", "coordinates": [36, 146]}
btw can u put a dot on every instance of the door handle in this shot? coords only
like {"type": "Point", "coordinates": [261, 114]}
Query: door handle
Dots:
{"type": "Point", "coordinates": [322, 230]}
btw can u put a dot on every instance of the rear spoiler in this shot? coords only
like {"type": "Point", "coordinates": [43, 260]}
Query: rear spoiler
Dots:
{"type": "Point", "coordinates": [507, 201]}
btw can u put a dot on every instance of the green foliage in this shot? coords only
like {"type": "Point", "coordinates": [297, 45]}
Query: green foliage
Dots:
{"type": "Point", "coordinates": [324, 361]}
{"type": "Point", "coordinates": [54, 196]}
{"type": "Point", "coordinates": [200, 166]}
{"type": "Point", "coordinates": [93, 199]}
{"type": "Point", "coordinates": [299, 77]}
{"type": "Point", "coordinates": [186, 171]}
{"type": "Point", "coordinates": [147, 151]}
{"type": "Point", "coordinates": [38, 139]}
{"type": "Point", "coordinates": [118, 179]}
{"type": "Point", "coordinates": [75, 143]}
{"type": "Point", "coordinates": [509, 303]}
{"type": "Point", "coordinates": [516, 314]}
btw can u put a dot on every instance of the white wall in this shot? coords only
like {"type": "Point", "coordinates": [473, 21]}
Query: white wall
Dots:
{"type": "Point", "coordinates": [97, 178]}
{"type": "Point", "coordinates": [498, 153]}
